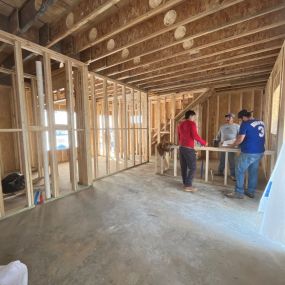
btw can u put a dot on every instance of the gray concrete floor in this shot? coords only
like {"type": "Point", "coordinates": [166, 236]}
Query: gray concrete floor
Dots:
{"type": "Point", "coordinates": [139, 228]}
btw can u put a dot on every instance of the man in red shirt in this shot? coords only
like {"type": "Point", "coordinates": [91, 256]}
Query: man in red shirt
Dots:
{"type": "Point", "coordinates": [187, 134]}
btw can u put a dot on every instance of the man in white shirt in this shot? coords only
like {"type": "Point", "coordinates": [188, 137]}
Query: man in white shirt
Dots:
{"type": "Point", "coordinates": [228, 131]}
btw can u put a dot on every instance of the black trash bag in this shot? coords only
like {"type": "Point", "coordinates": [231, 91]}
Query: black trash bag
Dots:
{"type": "Point", "coordinates": [13, 183]}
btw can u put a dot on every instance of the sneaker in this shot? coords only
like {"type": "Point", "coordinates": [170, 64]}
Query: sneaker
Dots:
{"type": "Point", "coordinates": [248, 194]}
{"type": "Point", "coordinates": [234, 195]}
{"type": "Point", "coordinates": [190, 189]}
{"type": "Point", "coordinates": [233, 178]}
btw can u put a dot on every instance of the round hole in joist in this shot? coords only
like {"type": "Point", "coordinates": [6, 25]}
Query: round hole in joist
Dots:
{"type": "Point", "coordinates": [154, 3]}
{"type": "Point", "coordinates": [38, 4]}
{"type": "Point", "coordinates": [188, 44]}
{"type": "Point", "coordinates": [180, 32]}
{"type": "Point", "coordinates": [125, 53]}
{"type": "Point", "coordinates": [170, 18]}
{"type": "Point", "coordinates": [92, 34]}
{"type": "Point", "coordinates": [110, 44]}
{"type": "Point", "coordinates": [137, 60]}
{"type": "Point", "coordinates": [69, 20]}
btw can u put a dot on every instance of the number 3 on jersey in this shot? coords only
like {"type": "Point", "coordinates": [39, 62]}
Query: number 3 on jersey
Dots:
{"type": "Point", "coordinates": [261, 131]}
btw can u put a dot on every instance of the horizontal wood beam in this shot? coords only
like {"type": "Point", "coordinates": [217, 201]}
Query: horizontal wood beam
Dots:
{"type": "Point", "coordinates": [79, 16]}
{"type": "Point", "coordinates": [206, 57]}
{"type": "Point", "coordinates": [227, 82]}
{"type": "Point", "coordinates": [238, 18]}
{"type": "Point", "coordinates": [214, 79]}
{"type": "Point", "coordinates": [210, 62]}
{"type": "Point", "coordinates": [219, 43]}
{"type": "Point", "coordinates": [133, 14]}
{"type": "Point", "coordinates": [254, 84]}
{"type": "Point", "coordinates": [37, 49]}
{"type": "Point", "coordinates": [188, 78]}
{"type": "Point", "coordinates": [249, 61]}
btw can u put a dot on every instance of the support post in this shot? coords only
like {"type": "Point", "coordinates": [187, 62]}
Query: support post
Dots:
{"type": "Point", "coordinates": [158, 119]}
{"type": "Point", "coordinates": [25, 146]}
{"type": "Point", "coordinates": [141, 140]}
{"type": "Point", "coordinates": [226, 168]}
{"type": "Point", "coordinates": [207, 166]}
{"type": "Point", "coordinates": [150, 116]}
{"type": "Point", "coordinates": [71, 123]}
{"type": "Point", "coordinates": [133, 127]}
{"type": "Point", "coordinates": [37, 123]}
{"type": "Point", "coordinates": [125, 136]}
{"type": "Point", "coordinates": [86, 177]}
{"type": "Point", "coordinates": [51, 125]}
{"type": "Point", "coordinates": [94, 123]}
{"type": "Point", "coordinates": [106, 116]}
{"type": "Point", "coordinates": [116, 128]}
{"type": "Point", "coordinates": [175, 162]}
{"type": "Point", "coordinates": [41, 98]}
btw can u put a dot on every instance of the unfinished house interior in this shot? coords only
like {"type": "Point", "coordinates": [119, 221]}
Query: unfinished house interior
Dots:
{"type": "Point", "coordinates": [91, 96]}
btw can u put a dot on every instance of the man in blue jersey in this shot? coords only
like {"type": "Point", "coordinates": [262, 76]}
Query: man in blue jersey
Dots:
{"type": "Point", "coordinates": [251, 139]}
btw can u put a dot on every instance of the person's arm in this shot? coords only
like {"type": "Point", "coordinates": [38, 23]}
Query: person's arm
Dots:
{"type": "Point", "coordinates": [178, 133]}
{"type": "Point", "coordinates": [195, 135]}
{"type": "Point", "coordinates": [241, 136]}
{"type": "Point", "coordinates": [238, 141]}
{"type": "Point", "coordinates": [219, 135]}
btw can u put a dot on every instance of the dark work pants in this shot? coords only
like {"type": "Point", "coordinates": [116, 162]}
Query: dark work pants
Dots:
{"type": "Point", "coordinates": [188, 165]}
{"type": "Point", "coordinates": [231, 157]}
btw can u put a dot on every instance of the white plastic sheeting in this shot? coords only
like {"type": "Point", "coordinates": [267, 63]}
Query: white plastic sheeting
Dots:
{"type": "Point", "coordinates": [14, 273]}
{"type": "Point", "coordinates": [272, 203]}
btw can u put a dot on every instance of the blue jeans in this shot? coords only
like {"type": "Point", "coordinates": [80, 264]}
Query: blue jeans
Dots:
{"type": "Point", "coordinates": [250, 162]}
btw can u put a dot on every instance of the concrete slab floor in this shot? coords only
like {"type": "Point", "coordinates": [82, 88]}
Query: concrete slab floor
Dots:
{"type": "Point", "coordinates": [139, 228]}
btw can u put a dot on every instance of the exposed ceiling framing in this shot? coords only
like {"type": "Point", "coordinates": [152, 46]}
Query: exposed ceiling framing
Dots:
{"type": "Point", "coordinates": [159, 46]}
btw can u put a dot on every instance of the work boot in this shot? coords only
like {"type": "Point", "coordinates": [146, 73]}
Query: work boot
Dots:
{"type": "Point", "coordinates": [190, 189]}
{"type": "Point", "coordinates": [248, 194]}
{"type": "Point", "coordinates": [234, 195]}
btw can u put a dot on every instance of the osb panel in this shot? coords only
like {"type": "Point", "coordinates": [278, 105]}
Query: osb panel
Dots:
{"type": "Point", "coordinates": [258, 95]}
{"type": "Point", "coordinates": [235, 103]}
{"type": "Point", "coordinates": [212, 118]}
{"type": "Point", "coordinates": [224, 101]}
{"type": "Point", "coordinates": [247, 100]}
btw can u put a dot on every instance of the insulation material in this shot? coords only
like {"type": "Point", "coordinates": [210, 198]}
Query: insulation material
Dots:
{"type": "Point", "coordinates": [154, 3]}
{"type": "Point", "coordinates": [170, 18]}
{"type": "Point", "coordinates": [14, 273]}
{"type": "Point", "coordinates": [180, 32]}
{"type": "Point", "coordinates": [137, 60]}
{"type": "Point", "coordinates": [272, 203]}
{"type": "Point", "coordinates": [69, 20]}
{"type": "Point", "coordinates": [110, 44]}
{"type": "Point", "coordinates": [125, 53]}
{"type": "Point", "coordinates": [93, 34]}
{"type": "Point", "coordinates": [188, 44]}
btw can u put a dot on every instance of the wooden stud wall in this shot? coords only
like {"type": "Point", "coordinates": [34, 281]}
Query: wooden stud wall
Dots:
{"type": "Point", "coordinates": [120, 120]}
{"type": "Point", "coordinates": [110, 116]}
